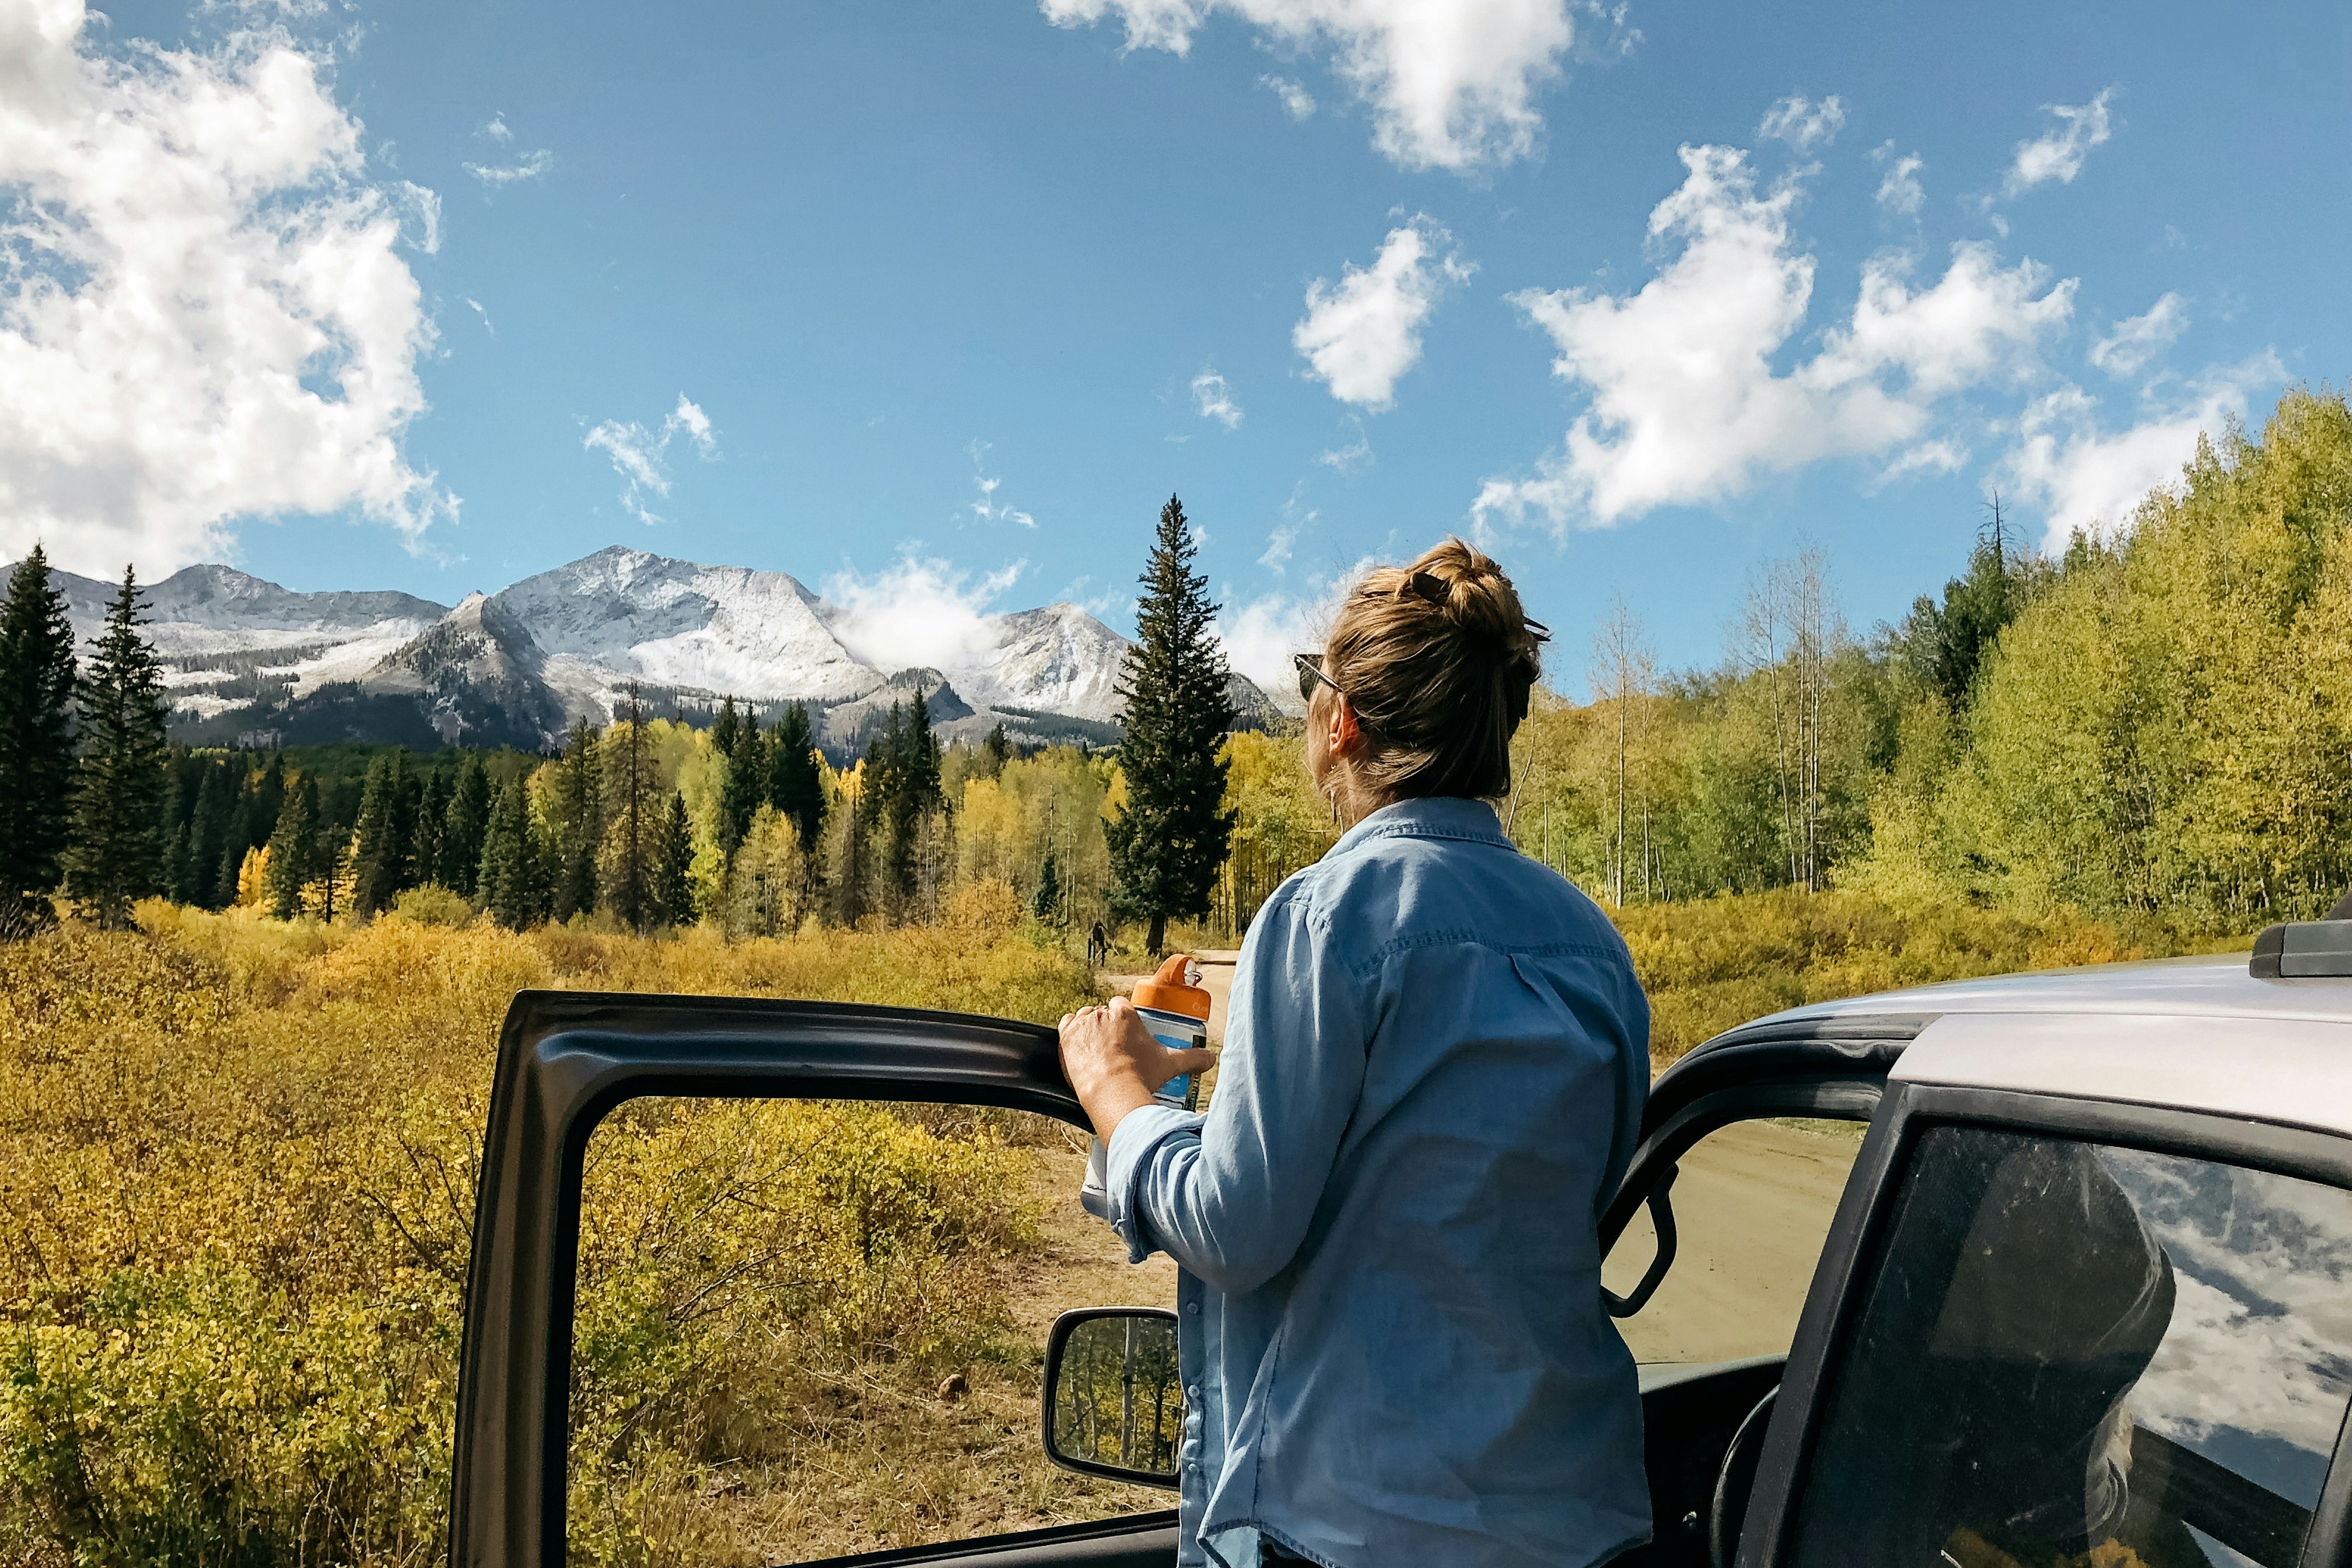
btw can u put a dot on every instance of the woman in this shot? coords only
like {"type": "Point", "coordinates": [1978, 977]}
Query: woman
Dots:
{"type": "Point", "coordinates": [1390, 1316]}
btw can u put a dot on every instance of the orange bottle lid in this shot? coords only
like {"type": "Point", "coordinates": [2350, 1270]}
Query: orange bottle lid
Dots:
{"type": "Point", "coordinates": [1167, 990]}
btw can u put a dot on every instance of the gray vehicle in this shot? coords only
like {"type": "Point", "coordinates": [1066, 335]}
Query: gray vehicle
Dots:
{"type": "Point", "coordinates": [2076, 1289]}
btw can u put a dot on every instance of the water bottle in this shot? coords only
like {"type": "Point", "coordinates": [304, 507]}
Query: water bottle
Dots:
{"type": "Point", "coordinates": [1176, 1010]}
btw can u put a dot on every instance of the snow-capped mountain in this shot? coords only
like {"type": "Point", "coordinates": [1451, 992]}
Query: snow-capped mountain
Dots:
{"type": "Point", "coordinates": [250, 662]}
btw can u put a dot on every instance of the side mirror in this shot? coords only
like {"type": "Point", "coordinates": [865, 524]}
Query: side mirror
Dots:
{"type": "Point", "coordinates": [1114, 1398]}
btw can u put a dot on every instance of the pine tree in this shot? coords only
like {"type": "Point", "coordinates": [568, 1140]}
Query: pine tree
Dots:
{"type": "Point", "coordinates": [513, 884]}
{"type": "Point", "coordinates": [578, 810]}
{"type": "Point", "coordinates": [635, 813]}
{"type": "Point", "coordinates": [294, 857]}
{"type": "Point", "coordinates": [432, 825]}
{"type": "Point", "coordinates": [468, 821]}
{"type": "Point", "coordinates": [216, 818]}
{"type": "Point", "coordinates": [382, 856]}
{"type": "Point", "coordinates": [796, 779]}
{"type": "Point", "coordinates": [995, 752]}
{"type": "Point", "coordinates": [37, 746]}
{"type": "Point", "coordinates": [746, 786]}
{"type": "Point", "coordinates": [116, 854]}
{"type": "Point", "coordinates": [1046, 906]}
{"type": "Point", "coordinates": [673, 895]}
{"type": "Point", "coordinates": [1168, 844]}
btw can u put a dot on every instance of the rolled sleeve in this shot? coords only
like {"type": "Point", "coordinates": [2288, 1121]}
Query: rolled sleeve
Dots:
{"type": "Point", "coordinates": [1229, 1196]}
{"type": "Point", "coordinates": [1136, 1146]}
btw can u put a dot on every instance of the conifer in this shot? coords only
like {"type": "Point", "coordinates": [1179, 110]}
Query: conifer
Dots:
{"type": "Point", "coordinates": [673, 854]}
{"type": "Point", "coordinates": [467, 824]}
{"type": "Point", "coordinates": [795, 780]}
{"type": "Point", "coordinates": [1046, 906]}
{"type": "Point", "coordinates": [215, 817]}
{"type": "Point", "coordinates": [746, 786]}
{"type": "Point", "coordinates": [635, 813]}
{"type": "Point", "coordinates": [115, 856]}
{"type": "Point", "coordinates": [995, 752]}
{"type": "Point", "coordinates": [1168, 844]}
{"type": "Point", "coordinates": [294, 856]}
{"type": "Point", "coordinates": [513, 884]}
{"type": "Point", "coordinates": [384, 848]}
{"type": "Point", "coordinates": [432, 825]}
{"type": "Point", "coordinates": [579, 811]}
{"type": "Point", "coordinates": [37, 748]}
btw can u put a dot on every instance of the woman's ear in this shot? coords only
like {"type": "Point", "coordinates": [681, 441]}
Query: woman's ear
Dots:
{"type": "Point", "coordinates": [1346, 737]}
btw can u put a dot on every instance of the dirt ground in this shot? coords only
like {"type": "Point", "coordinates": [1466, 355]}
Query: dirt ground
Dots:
{"type": "Point", "coordinates": [1752, 1206]}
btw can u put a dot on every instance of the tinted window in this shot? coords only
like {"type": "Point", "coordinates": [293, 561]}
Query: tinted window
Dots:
{"type": "Point", "coordinates": [2074, 1355]}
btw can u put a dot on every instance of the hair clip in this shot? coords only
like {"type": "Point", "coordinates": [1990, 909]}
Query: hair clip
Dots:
{"type": "Point", "coordinates": [1430, 586]}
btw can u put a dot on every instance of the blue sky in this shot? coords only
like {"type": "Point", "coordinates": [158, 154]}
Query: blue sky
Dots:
{"type": "Point", "coordinates": [933, 305]}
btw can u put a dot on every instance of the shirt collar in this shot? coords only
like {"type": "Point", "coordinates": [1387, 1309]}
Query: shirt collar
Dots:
{"type": "Point", "coordinates": [1432, 816]}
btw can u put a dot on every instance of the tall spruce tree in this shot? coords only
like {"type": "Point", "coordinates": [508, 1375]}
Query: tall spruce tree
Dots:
{"type": "Point", "coordinates": [746, 786]}
{"type": "Point", "coordinates": [383, 853]}
{"type": "Point", "coordinates": [1168, 844]}
{"type": "Point", "coordinates": [294, 851]}
{"type": "Point", "coordinates": [512, 883]}
{"type": "Point", "coordinates": [216, 818]}
{"type": "Point", "coordinates": [467, 823]}
{"type": "Point", "coordinates": [37, 745]}
{"type": "Point", "coordinates": [115, 856]}
{"type": "Point", "coordinates": [635, 813]}
{"type": "Point", "coordinates": [673, 894]}
{"type": "Point", "coordinates": [432, 824]}
{"type": "Point", "coordinates": [796, 779]}
{"type": "Point", "coordinates": [578, 808]}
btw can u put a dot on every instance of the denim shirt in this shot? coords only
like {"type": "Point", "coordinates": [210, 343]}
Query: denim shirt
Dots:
{"type": "Point", "coordinates": [1389, 1307]}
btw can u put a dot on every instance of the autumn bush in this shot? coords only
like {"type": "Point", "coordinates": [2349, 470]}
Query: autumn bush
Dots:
{"type": "Point", "coordinates": [1712, 964]}
{"type": "Point", "coordinates": [238, 1161]}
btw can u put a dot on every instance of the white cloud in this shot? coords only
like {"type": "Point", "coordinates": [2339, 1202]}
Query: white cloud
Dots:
{"type": "Point", "coordinates": [203, 311]}
{"type": "Point", "coordinates": [1450, 86]}
{"type": "Point", "coordinates": [1296, 99]}
{"type": "Point", "coordinates": [1352, 458]}
{"type": "Point", "coordinates": [987, 507]}
{"type": "Point", "coordinates": [2082, 477]}
{"type": "Point", "coordinates": [640, 455]}
{"type": "Point", "coordinates": [1803, 124]}
{"type": "Point", "coordinates": [479, 310]}
{"type": "Point", "coordinates": [532, 166]}
{"type": "Point", "coordinates": [496, 130]}
{"type": "Point", "coordinates": [919, 610]}
{"type": "Point", "coordinates": [1900, 192]}
{"type": "Point", "coordinates": [2058, 154]}
{"type": "Point", "coordinates": [1260, 634]}
{"type": "Point", "coordinates": [1278, 546]}
{"type": "Point", "coordinates": [1361, 334]}
{"type": "Point", "coordinates": [2133, 342]}
{"type": "Point", "coordinates": [1214, 400]}
{"type": "Point", "coordinates": [426, 206]}
{"type": "Point", "coordinates": [1687, 407]}
{"type": "Point", "coordinates": [1942, 456]}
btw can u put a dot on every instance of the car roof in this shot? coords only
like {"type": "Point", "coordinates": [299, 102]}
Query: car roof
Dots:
{"type": "Point", "coordinates": [2209, 985]}
{"type": "Point", "coordinates": [2190, 1034]}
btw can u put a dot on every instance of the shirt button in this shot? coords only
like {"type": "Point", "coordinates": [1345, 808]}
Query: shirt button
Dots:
{"type": "Point", "coordinates": [1193, 1391]}
{"type": "Point", "coordinates": [1193, 1309]}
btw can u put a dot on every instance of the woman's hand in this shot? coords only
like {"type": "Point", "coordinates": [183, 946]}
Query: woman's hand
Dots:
{"type": "Point", "coordinates": [1115, 1065]}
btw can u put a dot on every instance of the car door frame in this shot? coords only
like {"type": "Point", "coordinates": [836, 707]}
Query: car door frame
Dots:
{"type": "Point", "coordinates": [1831, 1066]}
{"type": "Point", "coordinates": [1825, 1329]}
{"type": "Point", "coordinates": [566, 1059]}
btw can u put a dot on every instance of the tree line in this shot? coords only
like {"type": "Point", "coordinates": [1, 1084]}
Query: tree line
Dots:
{"type": "Point", "coordinates": [647, 823]}
{"type": "Point", "coordinates": [2159, 721]}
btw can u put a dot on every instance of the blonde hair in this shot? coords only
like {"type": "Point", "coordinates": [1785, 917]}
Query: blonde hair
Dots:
{"type": "Point", "coordinates": [1436, 659]}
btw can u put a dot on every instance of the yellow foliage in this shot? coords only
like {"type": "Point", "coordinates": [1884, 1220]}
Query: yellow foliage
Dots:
{"type": "Point", "coordinates": [236, 1168]}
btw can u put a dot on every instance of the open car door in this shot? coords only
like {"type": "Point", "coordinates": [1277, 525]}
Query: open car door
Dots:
{"type": "Point", "coordinates": [565, 1061]}
{"type": "Point", "coordinates": [1738, 1188]}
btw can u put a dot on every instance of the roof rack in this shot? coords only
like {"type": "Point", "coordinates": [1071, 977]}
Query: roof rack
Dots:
{"type": "Point", "coordinates": [2304, 950]}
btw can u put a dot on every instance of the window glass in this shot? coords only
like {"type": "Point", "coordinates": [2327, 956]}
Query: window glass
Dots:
{"type": "Point", "coordinates": [811, 1328]}
{"type": "Point", "coordinates": [2074, 1355]}
{"type": "Point", "coordinates": [1752, 1207]}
